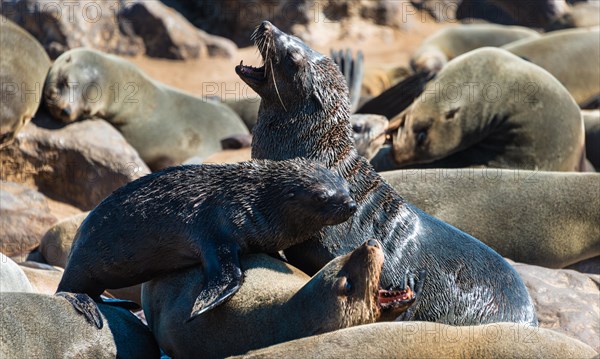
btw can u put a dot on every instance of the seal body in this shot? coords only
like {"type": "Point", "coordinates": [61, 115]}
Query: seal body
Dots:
{"type": "Point", "coordinates": [591, 121]}
{"type": "Point", "coordinates": [513, 115]}
{"type": "Point", "coordinates": [276, 303]}
{"type": "Point", "coordinates": [448, 43]}
{"type": "Point", "coordinates": [308, 116]}
{"type": "Point", "coordinates": [46, 326]}
{"type": "Point", "coordinates": [23, 70]}
{"type": "Point", "coordinates": [202, 214]}
{"type": "Point", "coordinates": [495, 205]}
{"type": "Point", "coordinates": [571, 56]}
{"type": "Point", "coordinates": [166, 126]}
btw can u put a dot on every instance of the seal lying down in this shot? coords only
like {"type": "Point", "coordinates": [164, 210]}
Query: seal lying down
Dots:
{"type": "Point", "coordinates": [200, 214]}
{"type": "Point", "coordinates": [277, 303]}
{"type": "Point", "coordinates": [304, 112]}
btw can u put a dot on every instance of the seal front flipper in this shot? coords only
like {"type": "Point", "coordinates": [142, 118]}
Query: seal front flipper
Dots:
{"type": "Point", "coordinates": [85, 305]}
{"type": "Point", "coordinates": [222, 278]}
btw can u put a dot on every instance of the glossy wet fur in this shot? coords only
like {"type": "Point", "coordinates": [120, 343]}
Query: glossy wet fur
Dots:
{"type": "Point", "coordinates": [467, 282]}
{"type": "Point", "coordinates": [205, 214]}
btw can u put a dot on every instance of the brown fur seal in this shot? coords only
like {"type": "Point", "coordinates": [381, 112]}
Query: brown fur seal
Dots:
{"type": "Point", "coordinates": [591, 121]}
{"type": "Point", "coordinates": [166, 126]}
{"type": "Point", "coordinates": [368, 133]}
{"type": "Point", "coordinates": [23, 70]}
{"type": "Point", "coordinates": [275, 304]}
{"type": "Point", "coordinates": [569, 55]}
{"type": "Point", "coordinates": [432, 56]}
{"type": "Point", "coordinates": [581, 14]}
{"type": "Point", "coordinates": [46, 326]}
{"type": "Point", "coordinates": [431, 340]}
{"type": "Point", "coordinates": [491, 108]}
{"type": "Point", "coordinates": [448, 43]}
{"type": "Point", "coordinates": [208, 214]}
{"type": "Point", "coordinates": [534, 217]}
{"type": "Point", "coordinates": [305, 113]}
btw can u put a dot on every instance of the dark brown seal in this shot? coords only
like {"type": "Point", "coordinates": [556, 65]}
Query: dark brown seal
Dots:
{"type": "Point", "coordinates": [207, 214]}
{"type": "Point", "coordinates": [305, 113]}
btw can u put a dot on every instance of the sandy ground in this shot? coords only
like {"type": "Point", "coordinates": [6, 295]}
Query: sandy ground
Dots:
{"type": "Point", "coordinates": [382, 48]}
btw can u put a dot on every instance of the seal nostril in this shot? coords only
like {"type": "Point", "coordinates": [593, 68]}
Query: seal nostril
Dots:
{"type": "Point", "coordinates": [352, 206]}
{"type": "Point", "coordinates": [266, 25]}
{"type": "Point", "coordinates": [66, 112]}
{"type": "Point", "coordinates": [373, 243]}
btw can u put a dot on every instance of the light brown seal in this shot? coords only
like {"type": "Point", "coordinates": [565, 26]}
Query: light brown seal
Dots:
{"type": "Point", "coordinates": [166, 126]}
{"type": "Point", "coordinates": [491, 108]}
{"type": "Point", "coordinates": [535, 217]}
{"type": "Point", "coordinates": [276, 303]}
{"type": "Point", "coordinates": [23, 71]}
{"type": "Point", "coordinates": [431, 340]}
{"type": "Point", "coordinates": [47, 326]}
{"type": "Point", "coordinates": [571, 56]}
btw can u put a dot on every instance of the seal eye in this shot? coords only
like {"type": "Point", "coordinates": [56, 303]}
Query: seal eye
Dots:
{"type": "Point", "coordinates": [345, 286]}
{"type": "Point", "coordinates": [450, 114]}
{"type": "Point", "coordinates": [321, 197]}
{"type": "Point", "coordinates": [357, 127]}
{"type": "Point", "coordinates": [421, 137]}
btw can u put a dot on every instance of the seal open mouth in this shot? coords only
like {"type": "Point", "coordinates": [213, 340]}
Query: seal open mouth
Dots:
{"type": "Point", "coordinates": [396, 300]}
{"type": "Point", "coordinates": [255, 74]}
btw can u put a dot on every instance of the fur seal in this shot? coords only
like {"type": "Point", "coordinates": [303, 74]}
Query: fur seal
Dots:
{"type": "Point", "coordinates": [47, 326]}
{"type": "Point", "coordinates": [491, 108]}
{"type": "Point", "coordinates": [276, 303]}
{"type": "Point", "coordinates": [448, 43]}
{"type": "Point", "coordinates": [166, 126]}
{"type": "Point", "coordinates": [23, 71]}
{"type": "Point", "coordinates": [207, 214]}
{"type": "Point", "coordinates": [581, 14]}
{"type": "Point", "coordinates": [416, 340]}
{"type": "Point", "coordinates": [432, 56]}
{"type": "Point", "coordinates": [591, 121]}
{"type": "Point", "coordinates": [368, 133]}
{"type": "Point", "coordinates": [575, 65]}
{"type": "Point", "coordinates": [305, 113]}
{"type": "Point", "coordinates": [497, 206]}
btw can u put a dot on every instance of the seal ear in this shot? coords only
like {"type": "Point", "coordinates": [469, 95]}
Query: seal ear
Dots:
{"type": "Point", "coordinates": [450, 114]}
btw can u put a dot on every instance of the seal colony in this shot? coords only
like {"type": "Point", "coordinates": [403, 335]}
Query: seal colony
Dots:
{"type": "Point", "coordinates": [208, 214]}
{"type": "Point", "coordinates": [276, 303]}
{"type": "Point", "coordinates": [304, 112]}
{"type": "Point", "coordinates": [166, 126]}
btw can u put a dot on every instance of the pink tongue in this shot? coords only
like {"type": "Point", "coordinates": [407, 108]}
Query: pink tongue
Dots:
{"type": "Point", "coordinates": [399, 296]}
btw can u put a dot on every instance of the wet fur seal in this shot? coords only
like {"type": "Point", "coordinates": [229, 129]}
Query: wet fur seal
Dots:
{"type": "Point", "coordinates": [305, 113]}
{"type": "Point", "coordinates": [166, 126]}
{"type": "Point", "coordinates": [276, 303]}
{"type": "Point", "coordinates": [23, 71]}
{"type": "Point", "coordinates": [416, 340]}
{"type": "Point", "coordinates": [513, 115]}
{"type": "Point", "coordinates": [208, 214]}
{"type": "Point", "coordinates": [535, 217]}
{"type": "Point", "coordinates": [47, 326]}
{"type": "Point", "coordinates": [571, 56]}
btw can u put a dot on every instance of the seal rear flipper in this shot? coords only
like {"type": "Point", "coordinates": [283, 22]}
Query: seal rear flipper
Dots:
{"type": "Point", "coordinates": [85, 305]}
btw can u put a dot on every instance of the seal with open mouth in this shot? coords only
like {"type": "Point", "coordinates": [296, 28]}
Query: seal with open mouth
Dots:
{"type": "Point", "coordinates": [276, 303]}
{"type": "Point", "coordinates": [304, 112]}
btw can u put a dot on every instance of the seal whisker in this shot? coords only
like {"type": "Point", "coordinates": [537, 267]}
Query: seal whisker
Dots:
{"type": "Point", "coordinates": [275, 83]}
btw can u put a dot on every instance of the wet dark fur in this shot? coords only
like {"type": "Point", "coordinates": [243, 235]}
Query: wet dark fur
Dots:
{"type": "Point", "coordinates": [205, 214]}
{"type": "Point", "coordinates": [467, 282]}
